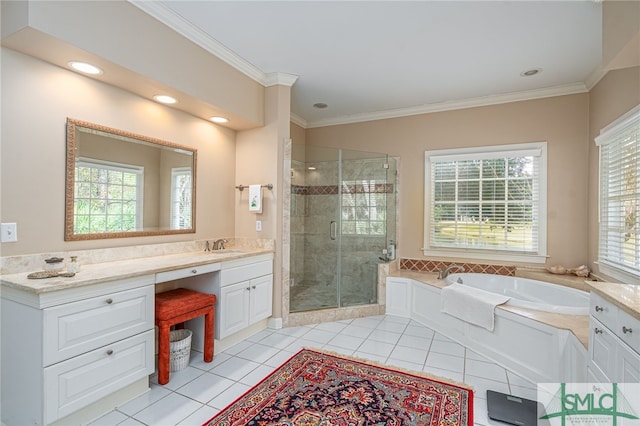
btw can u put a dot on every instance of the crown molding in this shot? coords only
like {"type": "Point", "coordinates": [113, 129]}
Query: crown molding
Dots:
{"type": "Point", "coordinates": [177, 23]}
{"type": "Point", "coordinates": [594, 77]}
{"type": "Point", "coordinates": [526, 95]}
{"type": "Point", "coordinates": [296, 119]}
{"type": "Point", "coordinates": [279, 78]}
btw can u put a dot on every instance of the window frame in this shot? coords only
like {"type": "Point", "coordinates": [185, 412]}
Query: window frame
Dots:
{"type": "Point", "coordinates": [138, 171]}
{"type": "Point", "coordinates": [608, 136]}
{"type": "Point", "coordinates": [489, 152]}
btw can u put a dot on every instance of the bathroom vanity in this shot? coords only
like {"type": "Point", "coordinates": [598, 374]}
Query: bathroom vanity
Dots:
{"type": "Point", "coordinates": [74, 348]}
{"type": "Point", "coordinates": [614, 339]}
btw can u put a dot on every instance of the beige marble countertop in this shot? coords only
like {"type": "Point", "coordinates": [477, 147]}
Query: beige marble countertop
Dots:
{"type": "Point", "coordinates": [625, 296]}
{"type": "Point", "coordinates": [113, 270]}
{"type": "Point", "coordinates": [577, 324]}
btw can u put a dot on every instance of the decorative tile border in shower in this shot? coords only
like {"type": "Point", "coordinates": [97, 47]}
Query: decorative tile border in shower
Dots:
{"type": "Point", "coordinates": [378, 188]}
{"type": "Point", "coordinates": [422, 265]}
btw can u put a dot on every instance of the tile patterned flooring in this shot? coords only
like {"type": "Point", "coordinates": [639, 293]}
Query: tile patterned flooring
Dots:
{"type": "Point", "coordinates": [198, 392]}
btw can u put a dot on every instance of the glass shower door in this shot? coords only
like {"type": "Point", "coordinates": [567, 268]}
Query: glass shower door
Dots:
{"type": "Point", "coordinates": [314, 229]}
{"type": "Point", "coordinates": [367, 206]}
{"type": "Point", "coordinates": [342, 217]}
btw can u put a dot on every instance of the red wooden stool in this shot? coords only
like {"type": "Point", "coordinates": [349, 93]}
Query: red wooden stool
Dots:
{"type": "Point", "coordinates": [175, 307]}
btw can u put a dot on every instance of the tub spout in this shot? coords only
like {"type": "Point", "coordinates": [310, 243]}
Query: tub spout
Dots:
{"type": "Point", "coordinates": [446, 271]}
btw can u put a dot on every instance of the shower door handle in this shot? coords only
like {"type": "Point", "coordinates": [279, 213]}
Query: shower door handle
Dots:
{"type": "Point", "coordinates": [332, 229]}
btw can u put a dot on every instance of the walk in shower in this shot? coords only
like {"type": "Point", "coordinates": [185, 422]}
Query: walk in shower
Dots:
{"type": "Point", "coordinates": [343, 221]}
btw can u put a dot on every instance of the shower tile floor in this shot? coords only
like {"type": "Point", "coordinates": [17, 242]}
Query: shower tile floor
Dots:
{"type": "Point", "coordinates": [196, 393]}
{"type": "Point", "coordinates": [310, 295]}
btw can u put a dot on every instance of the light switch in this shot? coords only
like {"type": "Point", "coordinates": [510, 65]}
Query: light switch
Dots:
{"type": "Point", "coordinates": [258, 225]}
{"type": "Point", "coordinates": [8, 232]}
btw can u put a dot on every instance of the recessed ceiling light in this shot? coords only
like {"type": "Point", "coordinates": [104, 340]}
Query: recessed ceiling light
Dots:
{"type": "Point", "coordinates": [320, 105]}
{"type": "Point", "coordinates": [531, 72]}
{"type": "Point", "coordinates": [164, 99]}
{"type": "Point", "coordinates": [85, 67]}
{"type": "Point", "coordinates": [221, 120]}
{"type": "Point", "coordinates": [311, 168]}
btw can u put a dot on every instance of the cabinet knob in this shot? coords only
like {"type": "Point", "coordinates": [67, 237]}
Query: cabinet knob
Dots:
{"type": "Point", "coordinates": [597, 330]}
{"type": "Point", "coordinates": [599, 308]}
{"type": "Point", "coordinates": [626, 330]}
{"type": "Point", "coordinates": [248, 288]}
{"type": "Point", "coordinates": [194, 271]}
{"type": "Point", "coordinates": [109, 301]}
{"type": "Point", "coordinates": [253, 287]}
{"type": "Point", "coordinates": [110, 352]}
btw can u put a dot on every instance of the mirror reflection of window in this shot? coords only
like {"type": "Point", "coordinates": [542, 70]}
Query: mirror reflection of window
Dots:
{"type": "Point", "coordinates": [181, 190]}
{"type": "Point", "coordinates": [108, 196]}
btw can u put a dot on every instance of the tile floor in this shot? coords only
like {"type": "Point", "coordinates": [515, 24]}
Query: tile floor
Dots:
{"type": "Point", "coordinates": [196, 393]}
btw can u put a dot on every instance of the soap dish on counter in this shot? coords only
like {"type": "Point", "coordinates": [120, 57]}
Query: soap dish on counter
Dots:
{"type": "Point", "coordinates": [49, 274]}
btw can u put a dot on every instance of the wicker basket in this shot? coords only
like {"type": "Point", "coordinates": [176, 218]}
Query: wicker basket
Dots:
{"type": "Point", "coordinates": [180, 349]}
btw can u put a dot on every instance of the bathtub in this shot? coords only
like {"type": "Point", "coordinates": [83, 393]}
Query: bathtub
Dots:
{"type": "Point", "coordinates": [527, 293]}
{"type": "Point", "coordinates": [517, 338]}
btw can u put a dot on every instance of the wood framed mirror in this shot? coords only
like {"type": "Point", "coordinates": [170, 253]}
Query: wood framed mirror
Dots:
{"type": "Point", "coordinates": [120, 184]}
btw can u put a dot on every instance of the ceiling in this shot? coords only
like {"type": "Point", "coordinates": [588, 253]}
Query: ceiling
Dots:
{"type": "Point", "coordinates": [377, 59]}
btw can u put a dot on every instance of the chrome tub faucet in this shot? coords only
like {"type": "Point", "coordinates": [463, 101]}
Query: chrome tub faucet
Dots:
{"type": "Point", "coordinates": [446, 271]}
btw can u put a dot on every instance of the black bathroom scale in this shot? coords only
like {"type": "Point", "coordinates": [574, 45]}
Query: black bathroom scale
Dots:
{"type": "Point", "coordinates": [514, 410]}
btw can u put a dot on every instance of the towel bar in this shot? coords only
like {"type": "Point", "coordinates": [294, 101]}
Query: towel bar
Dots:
{"type": "Point", "coordinates": [269, 186]}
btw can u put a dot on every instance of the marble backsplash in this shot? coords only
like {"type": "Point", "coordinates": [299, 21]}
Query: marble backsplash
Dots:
{"type": "Point", "coordinates": [35, 262]}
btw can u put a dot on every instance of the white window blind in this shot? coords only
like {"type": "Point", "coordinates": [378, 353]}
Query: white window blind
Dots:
{"type": "Point", "coordinates": [181, 190]}
{"type": "Point", "coordinates": [488, 201]}
{"type": "Point", "coordinates": [619, 238]}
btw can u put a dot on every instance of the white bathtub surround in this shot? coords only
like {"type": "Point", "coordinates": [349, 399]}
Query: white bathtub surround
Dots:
{"type": "Point", "coordinates": [518, 336]}
{"type": "Point", "coordinates": [471, 304]}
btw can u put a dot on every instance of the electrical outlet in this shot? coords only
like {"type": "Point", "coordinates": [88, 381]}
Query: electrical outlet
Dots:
{"type": "Point", "coordinates": [258, 225]}
{"type": "Point", "coordinates": [8, 232]}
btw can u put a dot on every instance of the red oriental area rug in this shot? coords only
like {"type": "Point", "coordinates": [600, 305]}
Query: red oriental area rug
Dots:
{"type": "Point", "coordinates": [321, 389]}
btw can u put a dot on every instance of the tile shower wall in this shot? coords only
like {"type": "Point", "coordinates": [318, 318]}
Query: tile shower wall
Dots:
{"type": "Point", "coordinates": [315, 203]}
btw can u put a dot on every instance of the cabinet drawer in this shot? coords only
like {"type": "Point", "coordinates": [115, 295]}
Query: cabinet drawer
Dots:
{"type": "Point", "coordinates": [177, 274]}
{"type": "Point", "coordinates": [80, 381]}
{"type": "Point", "coordinates": [629, 330]}
{"type": "Point", "coordinates": [75, 328]}
{"type": "Point", "coordinates": [604, 311]}
{"type": "Point", "coordinates": [245, 272]}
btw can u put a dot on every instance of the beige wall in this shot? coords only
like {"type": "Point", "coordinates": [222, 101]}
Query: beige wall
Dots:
{"type": "Point", "coordinates": [36, 100]}
{"type": "Point", "coordinates": [260, 159]}
{"type": "Point", "coordinates": [561, 121]}
{"type": "Point", "coordinates": [616, 93]}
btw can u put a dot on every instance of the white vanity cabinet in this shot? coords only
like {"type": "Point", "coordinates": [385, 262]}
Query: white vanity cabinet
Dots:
{"type": "Point", "coordinates": [245, 295]}
{"type": "Point", "coordinates": [63, 351]}
{"type": "Point", "coordinates": [614, 343]}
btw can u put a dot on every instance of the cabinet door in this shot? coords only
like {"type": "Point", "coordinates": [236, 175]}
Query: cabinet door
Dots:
{"type": "Point", "coordinates": [602, 348]}
{"type": "Point", "coordinates": [261, 298]}
{"type": "Point", "coordinates": [234, 308]}
{"type": "Point", "coordinates": [629, 365]}
{"type": "Point", "coordinates": [398, 296]}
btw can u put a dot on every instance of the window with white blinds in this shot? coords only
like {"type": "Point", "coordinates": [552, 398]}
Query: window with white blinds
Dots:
{"type": "Point", "coordinates": [619, 237]}
{"type": "Point", "coordinates": [488, 202]}
{"type": "Point", "coordinates": [181, 190]}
